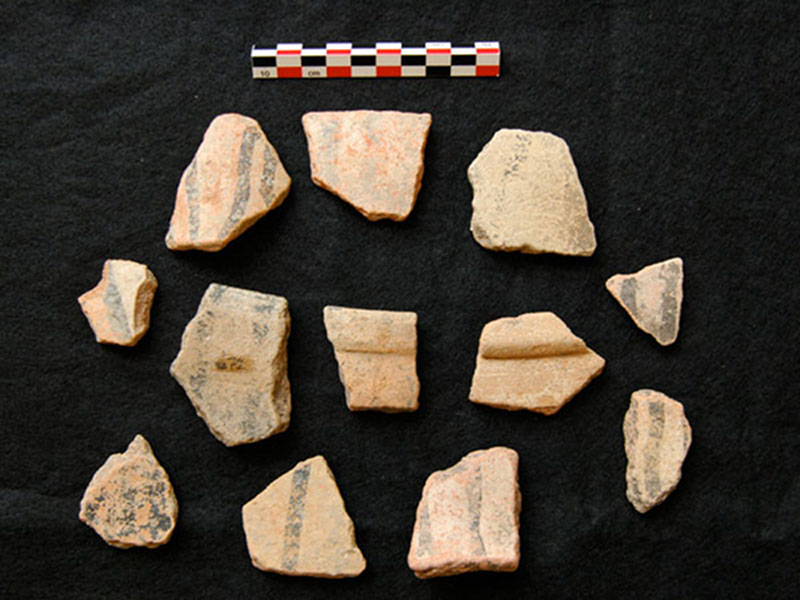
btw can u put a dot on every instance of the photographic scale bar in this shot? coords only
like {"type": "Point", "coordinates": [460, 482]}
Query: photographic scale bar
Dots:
{"type": "Point", "coordinates": [385, 59]}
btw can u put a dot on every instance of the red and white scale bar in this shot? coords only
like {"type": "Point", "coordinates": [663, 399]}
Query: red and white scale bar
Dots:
{"type": "Point", "coordinates": [385, 59]}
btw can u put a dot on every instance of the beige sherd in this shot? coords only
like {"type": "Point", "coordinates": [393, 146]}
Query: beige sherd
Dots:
{"type": "Point", "coordinates": [371, 159]}
{"type": "Point", "coordinates": [377, 355]}
{"type": "Point", "coordinates": [233, 366]}
{"type": "Point", "coordinates": [652, 297]}
{"type": "Point", "coordinates": [299, 526]}
{"type": "Point", "coordinates": [532, 362]}
{"type": "Point", "coordinates": [234, 179]}
{"type": "Point", "coordinates": [468, 517]}
{"type": "Point", "coordinates": [130, 500]}
{"type": "Point", "coordinates": [118, 307]}
{"type": "Point", "coordinates": [527, 196]}
{"type": "Point", "coordinates": [657, 438]}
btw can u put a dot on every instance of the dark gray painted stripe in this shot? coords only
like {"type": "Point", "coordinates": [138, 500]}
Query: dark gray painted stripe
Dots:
{"type": "Point", "coordinates": [241, 195]}
{"type": "Point", "coordinates": [652, 483]}
{"type": "Point", "coordinates": [116, 312]}
{"type": "Point", "coordinates": [192, 202]}
{"type": "Point", "coordinates": [294, 518]}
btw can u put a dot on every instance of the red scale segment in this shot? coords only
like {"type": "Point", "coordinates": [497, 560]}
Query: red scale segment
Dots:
{"type": "Point", "coordinates": [290, 72]}
{"type": "Point", "coordinates": [389, 71]}
{"type": "Point", "coordinates": [487, 70]}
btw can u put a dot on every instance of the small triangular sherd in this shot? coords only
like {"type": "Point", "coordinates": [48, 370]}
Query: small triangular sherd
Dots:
{"type": "Point", "coordinates": [377, 355]}
{"type": "Point", "coordinates": [652, 297]}
{"type": "Point", "coordinates": [235, 178]}
{"type": "Point", "coordinates": [531, 362]}
{"type": "Point", "coordinates": [233, 364]}
{"type": "Point", "coordinates": [373, 160]}
{"type": "Point", "coordinates": [657, 439]}
{"type": "Point", "coordinates": [130, 500]}
{"type": "Point", "coordinates": [468, 517]}
{"type": "Point", "coordinates": [299, 525]}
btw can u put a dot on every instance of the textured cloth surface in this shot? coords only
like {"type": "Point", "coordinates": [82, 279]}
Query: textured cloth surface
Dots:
{"type": "Point", "coordinates": [682, 121]}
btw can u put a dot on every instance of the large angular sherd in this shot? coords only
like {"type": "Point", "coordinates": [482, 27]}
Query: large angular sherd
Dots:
{"type": "Point", "coordinates": [531, 362]}
{"type": "Point", "coordinates": [118, 307]}
{"type": "Point", "coordinates": [652, 297]}
{"type": "Point", "coordinates": [233, 365]}
{"type": "Point", "coordinates": [234, 179]}
{"type": "Point", "coordinates": [468, 517]}
{"type": "Point", "coordinates": [657, 438]}
{"type": "Point", "coordinates": [377, 355]}
{"type": "Point", "coordinates": [130, 500]}
{"type": "Point", "coordinates": [373, 160]}
{"type": "Point", "coordinates": [527, 196]}
{"type": "Point", "coordinates": [299, 525]}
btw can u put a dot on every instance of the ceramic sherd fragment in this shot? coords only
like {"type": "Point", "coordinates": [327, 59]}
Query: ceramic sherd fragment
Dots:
{"type": "Point", "coordinates": [657, 438]}
{"type": "Point", "coordinates": [130, 500]}
{"type": "Point", "coordinates": [527, 196]}
{"type": "Point", "coordinates": [233, 365]}
{"type": "Point", "coordinates": [118, 308]}
{"type": "Point", "coordinates": [532, 362]}
{"type": "Point", "coordinates": [377, 355]}
{"type": "Point", "coordinates": [234, 179]}
{"type": "Point", "coordinates": [468, 517]}
{"type": "Point", "coordinates": [299, 526]}
{"type": "Point", "coordinates": [652, 297]}
{"type": "Point", "coordinates": [372, 160]}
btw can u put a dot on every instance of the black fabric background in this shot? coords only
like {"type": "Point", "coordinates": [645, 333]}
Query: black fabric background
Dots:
{"type": "Point", "coordinates": [682, 121]}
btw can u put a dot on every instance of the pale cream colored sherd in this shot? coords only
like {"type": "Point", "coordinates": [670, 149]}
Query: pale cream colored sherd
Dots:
{"type": "Point", "coordinates": [233, 364]}
{"type": "Point", "coordinates": [657, 439]}
{"type": "Point", "coordinates": [299, 525]}
{"type": "Point", "coordinates": [527, 196]}
{"type": "Point", "coordinates": [118, 307]}
{"type": "Point", "coordinates": [531, 362]}
{"type": "Point", "coordinates": [652, 297]}
{"type": "Point", "coordinates": [130, 500]}
{"type": "Point", "coordinates": [234, 179]}
{"type": "Point", "coordinates": [377, 355]}
{"type": "Point", "coordinates": [468, 517]}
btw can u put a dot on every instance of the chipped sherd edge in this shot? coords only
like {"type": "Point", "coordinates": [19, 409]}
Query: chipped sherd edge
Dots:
{"type": "Point", "coordinates": [531, 362]}
{"type": "Point", "coordinates": [527, 196]}
{"type": "Point", "coordinates": [298, 525]}
{"type": "Point", "coordinates": [657, 440]}
{"type": "Point", "coordinates": [376, 351]}
{"type": "Point", "coordinates": [373, 160]}
{"type": "Point", "coordinates": [233, 364]}
{"type": "Point", "coordinates": [130, 501]}
{"type": "Point", "coordinates": [468, 517]}
{"type": "Point", "coordinates": [652, 297]}
{"type": "Point", "coordinates": [118, 307]}
{"type": "Point", "coordinates": [234, 179]}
